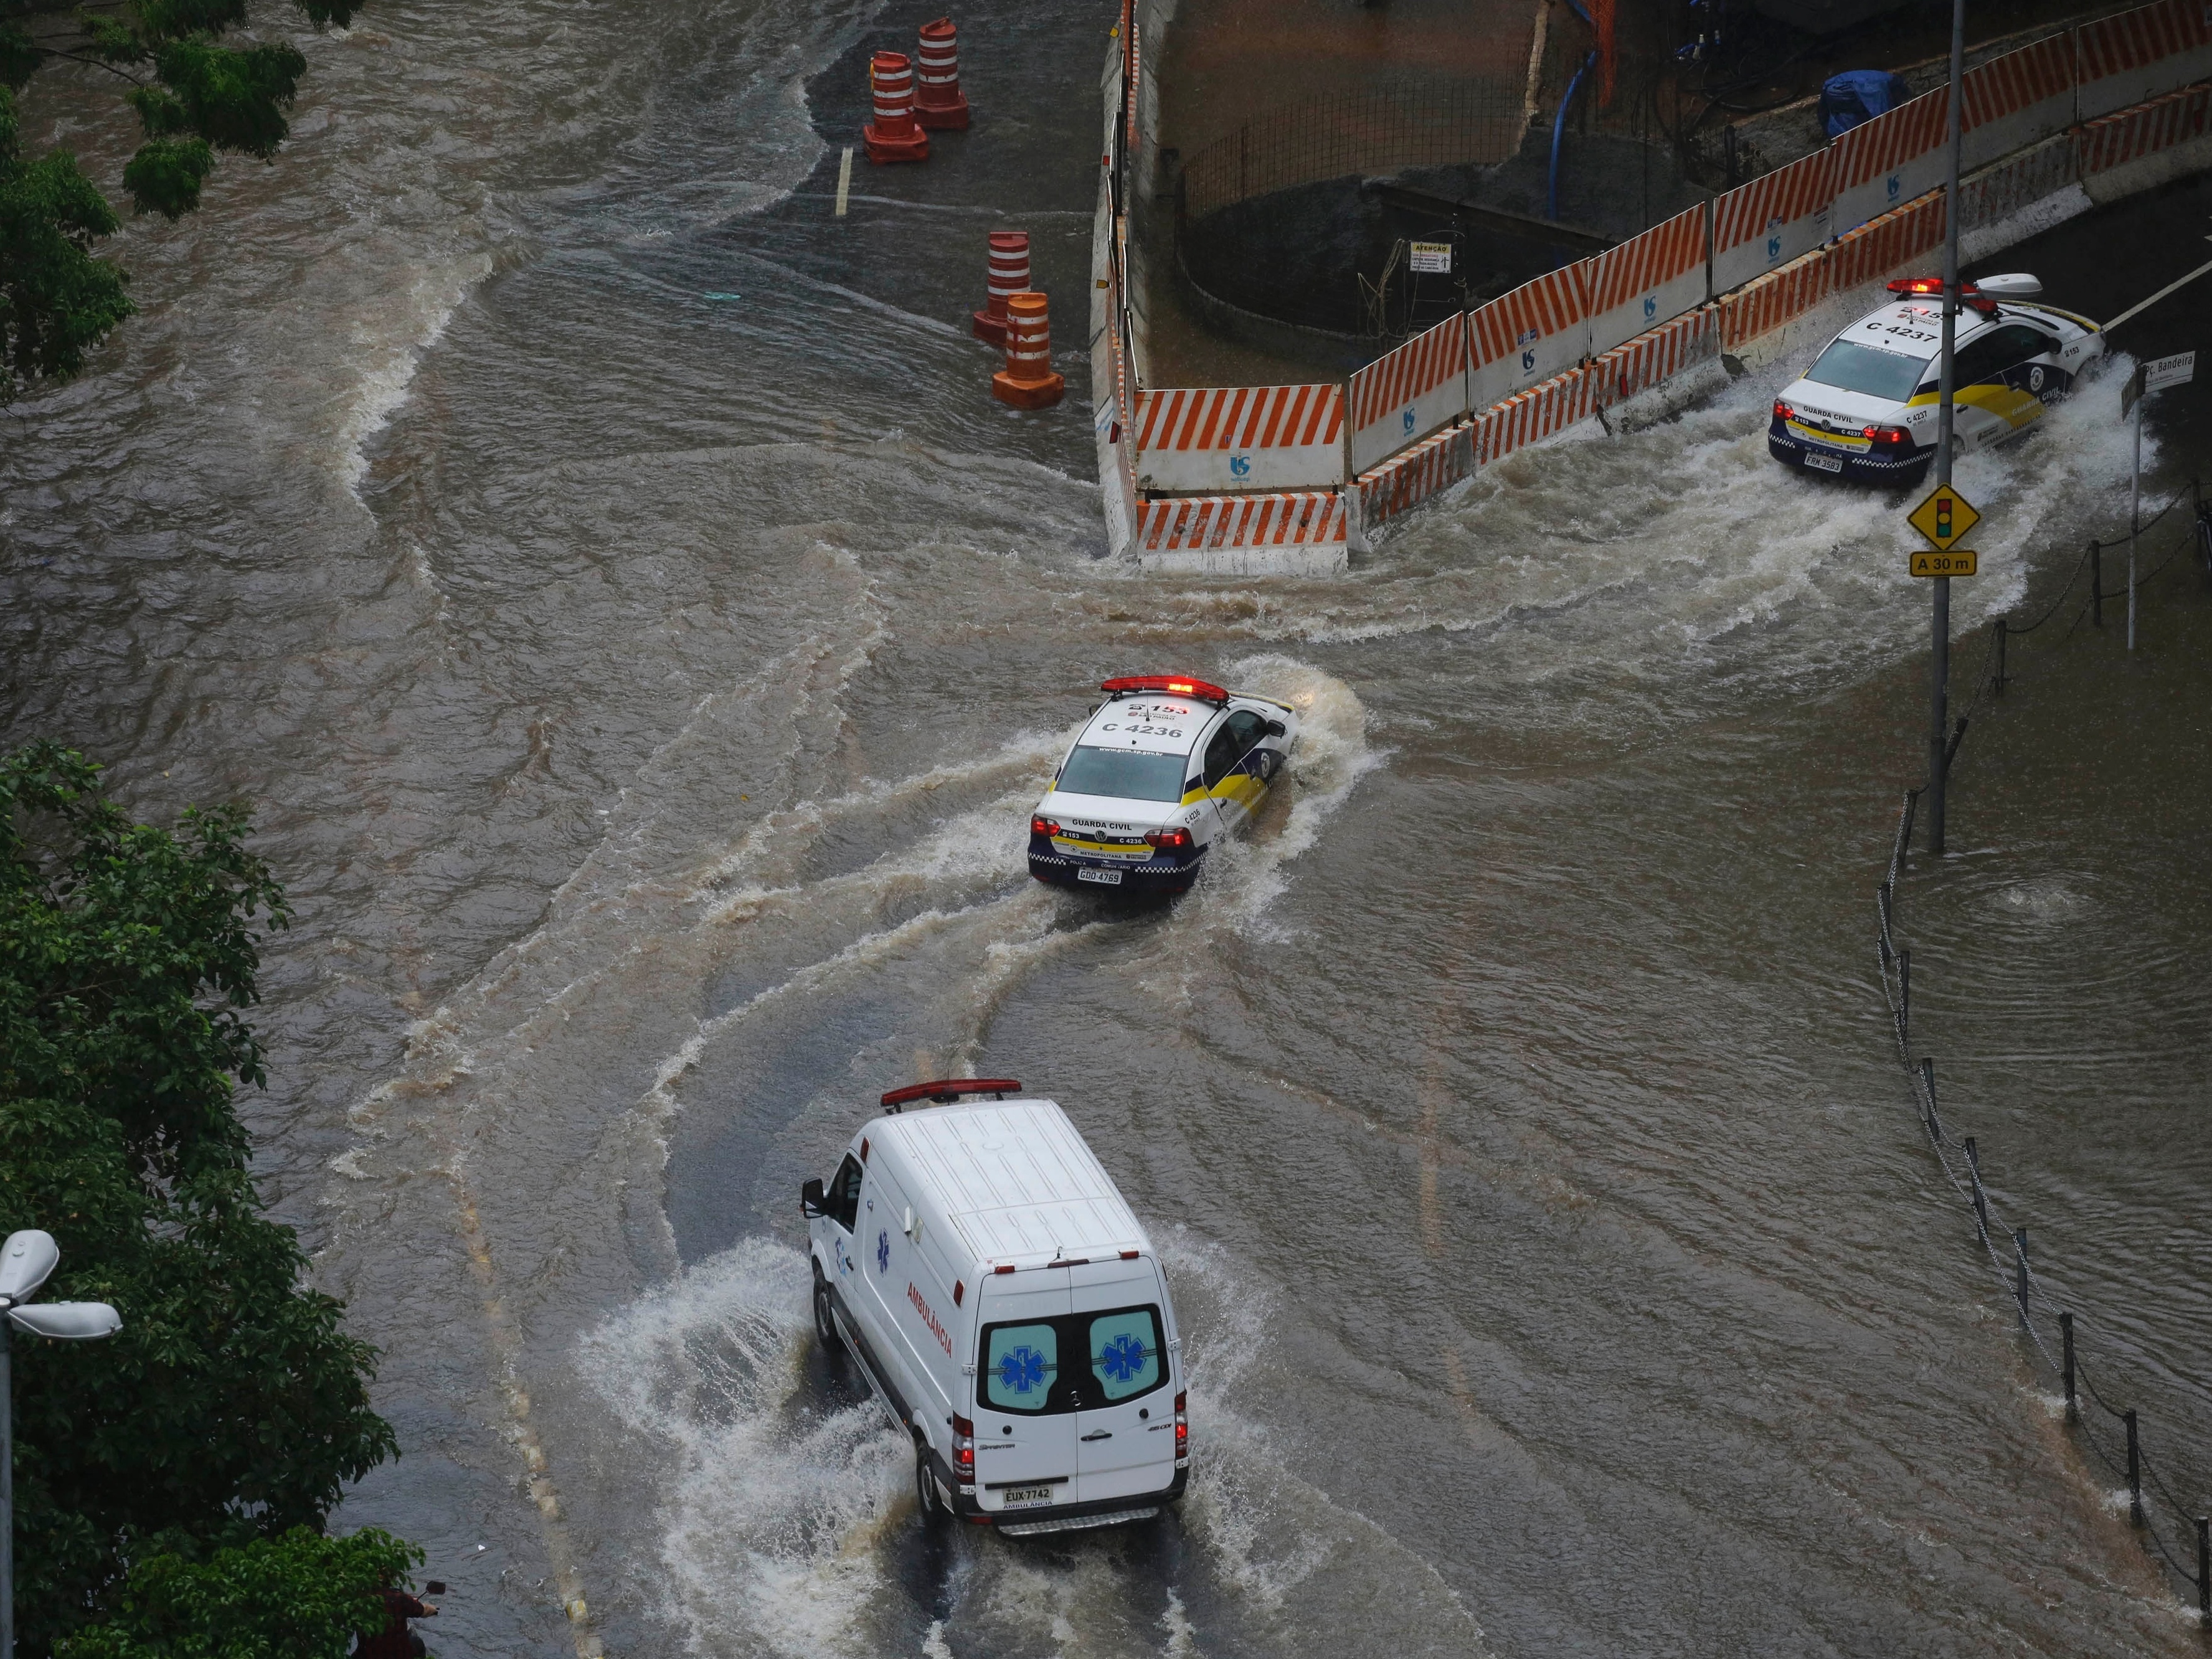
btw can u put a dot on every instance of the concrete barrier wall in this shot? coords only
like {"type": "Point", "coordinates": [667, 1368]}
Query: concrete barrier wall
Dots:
{"type": "Point", "coordinates": [1884, 163]}
{"type": "Point", "coordinates": [2140, 55]}
{"type": "Point", "coordinates": [1648, 280]}
{"type": "Point", "coordinates": [1527, 336]}
{"type": "Point", "coordinates": [1777, 217]}
{"type": "Point", "coordinates": [1240, 437]}
{"type": "Point", "coordinates": [1404, 395]}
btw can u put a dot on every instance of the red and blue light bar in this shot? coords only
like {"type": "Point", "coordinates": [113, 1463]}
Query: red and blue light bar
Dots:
{"type": "Point", "coordinates": [1174, 685]}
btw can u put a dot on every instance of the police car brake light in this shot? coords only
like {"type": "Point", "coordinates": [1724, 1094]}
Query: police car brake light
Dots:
{"type": "Point", "coordinates": [1042, 826]}
{"type": "Point", "coordinates": [1888, 434]}
{"type": "Point", "coordinates": [1176, 685]}
{"type": "Point", "coordinates": [1168, 840]}
{"type": "Point", "coordinates": [1782, 411]}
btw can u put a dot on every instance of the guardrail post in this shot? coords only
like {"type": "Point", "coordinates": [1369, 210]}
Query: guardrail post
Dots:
{"type": "Point", "coordinates": [1927, 1083]}
{"type": "Point", "coordinates": [1981, 1215]}
{"type": "Point", "coordinates": [1904, 995]}
{"type": "Point", "coordinates": [2066, 1337]}
{"type": "Point", "coordinates": [2096, 582]}
{"type": "Point", "coordinates": [2003, 626]}
{"type": "Point", "coordinates": [2203, 1571]}
{"type": "Point", "coordinates": [2020, 1259]}
{"type": "Point", "coordinates": [2135, 1471]}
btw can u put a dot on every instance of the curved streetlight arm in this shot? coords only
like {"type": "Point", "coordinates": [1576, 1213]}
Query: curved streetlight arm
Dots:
{"type": "Point", "coordinates": [67, 1322]}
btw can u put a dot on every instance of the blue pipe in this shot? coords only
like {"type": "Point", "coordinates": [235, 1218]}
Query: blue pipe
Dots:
{"type": "Point", "coordinates": [1559, 126]}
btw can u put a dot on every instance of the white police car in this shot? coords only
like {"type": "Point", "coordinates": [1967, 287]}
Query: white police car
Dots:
{"type": "Point", "coordinates": [1867, 408]}
{"type": "Point", "coordinates": [1164, 767]}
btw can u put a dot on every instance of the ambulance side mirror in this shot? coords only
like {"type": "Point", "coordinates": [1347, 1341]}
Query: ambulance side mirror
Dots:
{"type": "Point", "coordinates": [810, 1198]}
{"type": "Point", "coordinates": [1276, 728]}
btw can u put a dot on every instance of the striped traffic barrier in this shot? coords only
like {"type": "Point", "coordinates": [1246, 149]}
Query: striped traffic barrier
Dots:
{"type": "Point", "coordinates": [1522, 338]}
{"type": "Point", "coordinates": [1884, 163]}
{"type": "Point", "coordinates": [938, 103]}
{"type": "Point", "coordinates": [1009, 276]}
{"type": "Point", "coordinates": [1242, 437]}
{"type": "Point", "coordinates": [1406, 394]}
{"type": "Point", "coordinates": [1218, 523]}
{"type": "Point", "coordinates": [1027, 381]}
{"type": "Point", "coordinates": [1777, 217]}
{"type": "Point", "coordinates": [2016, 100]}
{"type": "Point", "coordinates": [1651, 360]}
{"type": "Point", "coordinates": [1648, 280]}
{"type": "Point", "coordinates": [2137, 56]}
{"type": "Point", "coordinates": [893, 136]}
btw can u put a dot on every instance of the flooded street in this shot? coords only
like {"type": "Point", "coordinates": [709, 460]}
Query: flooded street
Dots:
{"type": "Point", "coordinates": [642, 636]}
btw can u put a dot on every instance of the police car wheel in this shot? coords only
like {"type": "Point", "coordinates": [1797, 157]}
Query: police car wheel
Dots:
{"type": "Point", "coordinates": [825, 1326]}
{"type": "Point", "coordinates": [924, 1487]}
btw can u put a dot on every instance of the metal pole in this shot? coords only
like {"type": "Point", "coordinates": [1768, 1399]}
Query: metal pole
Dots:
{"type": "Point", "coordinates": [2003, 626]}
{"type": "Point", "coordinates": [1927, 1078]}
{"type": "Point", "coordinates": [2135, 1471]}
{"type": "Point", "coordinates": [2019, 1256]}
{"type": "Point", "coordinates": [7, 1496]}
{"type": "Point", "coordinates": [2096, 582]}
{"type": "Point", "coordinates": [2135, 496]}
{"type": "Point", "coordinates": [2066, 1336]}
{"type": "Point", "coordinates": [1905, 992]}
{"type": "Point", "coordinates": [1982, 1226]}
{"type": "Point", "coordinates": [1940, 618]}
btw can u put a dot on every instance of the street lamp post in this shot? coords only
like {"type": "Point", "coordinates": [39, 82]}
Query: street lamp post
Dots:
{"type": "Point", "coordinates": [25, 1261]}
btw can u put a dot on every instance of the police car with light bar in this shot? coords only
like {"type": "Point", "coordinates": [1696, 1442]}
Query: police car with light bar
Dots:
{"type": "Point", "coordinates": [1867, 408]}
{"type": "Point", "coordinates": [1164, 767]}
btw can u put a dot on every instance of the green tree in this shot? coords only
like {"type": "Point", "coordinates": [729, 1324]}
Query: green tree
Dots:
{"type": "Point", "coordinates": [296, 1596]}
{"type": "Point", "coordinates": [232, 1404]}
{"type": "Point", "coordinates": [193, 94]}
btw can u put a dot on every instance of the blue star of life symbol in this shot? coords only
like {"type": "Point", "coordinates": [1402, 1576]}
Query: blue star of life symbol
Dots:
{"type": "Point", "coordinates": [883, 1253]}
{"type": "Point", "coordinates": [1123, 1358]}
{"type": "Point", "coordinates": [1239, 465]}
{"type": "Point", "coordinates": [1021, 1369]}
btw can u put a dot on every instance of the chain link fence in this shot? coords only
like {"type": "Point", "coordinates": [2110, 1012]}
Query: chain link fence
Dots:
{"type": "Point", "coordinates": [1477, 121]}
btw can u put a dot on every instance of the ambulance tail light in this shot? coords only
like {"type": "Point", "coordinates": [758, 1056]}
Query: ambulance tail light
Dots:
{"type": "Point", "coordinates": [1168, 840]}
{"type": "Point", "coordinates": [1183, 1431]}
{"type": "Point", "coordinates": [963, 1452]}
{"type": "Point", "coordinates": [1042, 826]}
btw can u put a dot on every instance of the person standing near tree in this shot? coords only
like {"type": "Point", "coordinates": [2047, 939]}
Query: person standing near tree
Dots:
{"type": "Point", "coordinates": [396, 1640]}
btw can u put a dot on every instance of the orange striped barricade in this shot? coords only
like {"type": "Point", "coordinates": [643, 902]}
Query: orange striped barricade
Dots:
{"type": "Point", "coordinates": [1404, 481]}
{"type": "Point", "coordinates": [1773, 301]}
{"type": "Point", "coordinates": [1884, 163]}
{"type": "Point", "coordinates": [1527, 335]}
{"type": "Point", "coordinates": [1216, 523]}
{"type": "Point", "coordinates": [938, 103]}
{"type": "Point", "coordinates": [2140, 55]}
{"type": "Point", "coordinates": [1778, 217]}
{"type": "Point", "coordinates": [1648, 280]}
{"type": "Point", "coordinates": [2014, 185]}
{"type": "Point", "coordinates": [1541, 411]}
{"type": "Point", "coordinates": [2015, 100]}
{"type": "Point", "coordinates": [1240, 437]}
{"type": "Point", "coordinates": [2115, 140]}
{"type": "Point", "coordinates": [1404, 395]}
{"type": "Point", "coordinates": [1895, 245]}
{"type": "Point", "coordinates": [1028, 381]}
{"type": "Point", "coordinates": [1651, 360]}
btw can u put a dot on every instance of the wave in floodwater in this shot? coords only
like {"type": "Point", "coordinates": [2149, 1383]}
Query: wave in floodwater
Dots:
{"type": "Point", "coordinates": [787, 1524]}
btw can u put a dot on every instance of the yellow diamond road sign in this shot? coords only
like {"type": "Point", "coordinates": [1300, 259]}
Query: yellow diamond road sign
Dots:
{"type": "Point", "coordinates": [1944, 517]}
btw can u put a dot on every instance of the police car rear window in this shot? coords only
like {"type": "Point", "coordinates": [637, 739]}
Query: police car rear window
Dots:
{"type": "Point", "coordinates": [1886, 375]}
{"type": "Point", "coordinates": [1122, 773]}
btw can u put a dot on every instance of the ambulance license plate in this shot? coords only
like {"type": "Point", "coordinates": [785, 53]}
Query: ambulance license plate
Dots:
{"type": "Point", "coordinates": [1108, 877]}
{"type": "Point", "coordinates": [1820, 463]}
{"type": "Point", "coordinates": [1027, 1498]}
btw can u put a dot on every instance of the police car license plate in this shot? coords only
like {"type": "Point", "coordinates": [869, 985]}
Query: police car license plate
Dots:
{"type": "Point", "coordinates": [1820, 463]}
{"type": "Point", "coordinates": [1026, 1497]}
{"type": "Point", "coordinates": [1109, 877]}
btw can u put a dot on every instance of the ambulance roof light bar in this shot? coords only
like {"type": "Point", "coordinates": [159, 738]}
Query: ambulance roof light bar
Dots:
{"type": "Point", "coordinates": [945, 1091]}
{"type": "Point", "coordinates": [1174, 685]}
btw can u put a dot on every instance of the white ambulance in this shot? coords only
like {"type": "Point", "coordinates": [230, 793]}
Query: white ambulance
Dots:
{"type": "Point", "coordinates": [977, 1261]}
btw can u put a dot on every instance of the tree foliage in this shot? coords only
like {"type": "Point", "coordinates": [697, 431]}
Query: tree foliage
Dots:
{"type": "Point", "coordinates": [194, 95]}
{"type": "Point", "coordinates": [232, 1404]}
{"type": "Point", "coordinates": [296, 1596]}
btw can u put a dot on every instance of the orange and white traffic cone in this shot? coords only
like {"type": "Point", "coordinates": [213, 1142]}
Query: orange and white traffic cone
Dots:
{"type": "Point", "coordinates": [938, 103]}
{"type": "Point", "coordinates": [1027, 381]}
{"type": "Point", "coordinates": [1009, 275]}
{"type": "Point", "coordinates": [893, 136]}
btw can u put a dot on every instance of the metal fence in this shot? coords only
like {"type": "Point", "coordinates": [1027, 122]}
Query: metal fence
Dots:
{"type": "Point", "coordinates": [1476, 121]}
{"type": "Point", "coordinates": [2169, 1527]}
